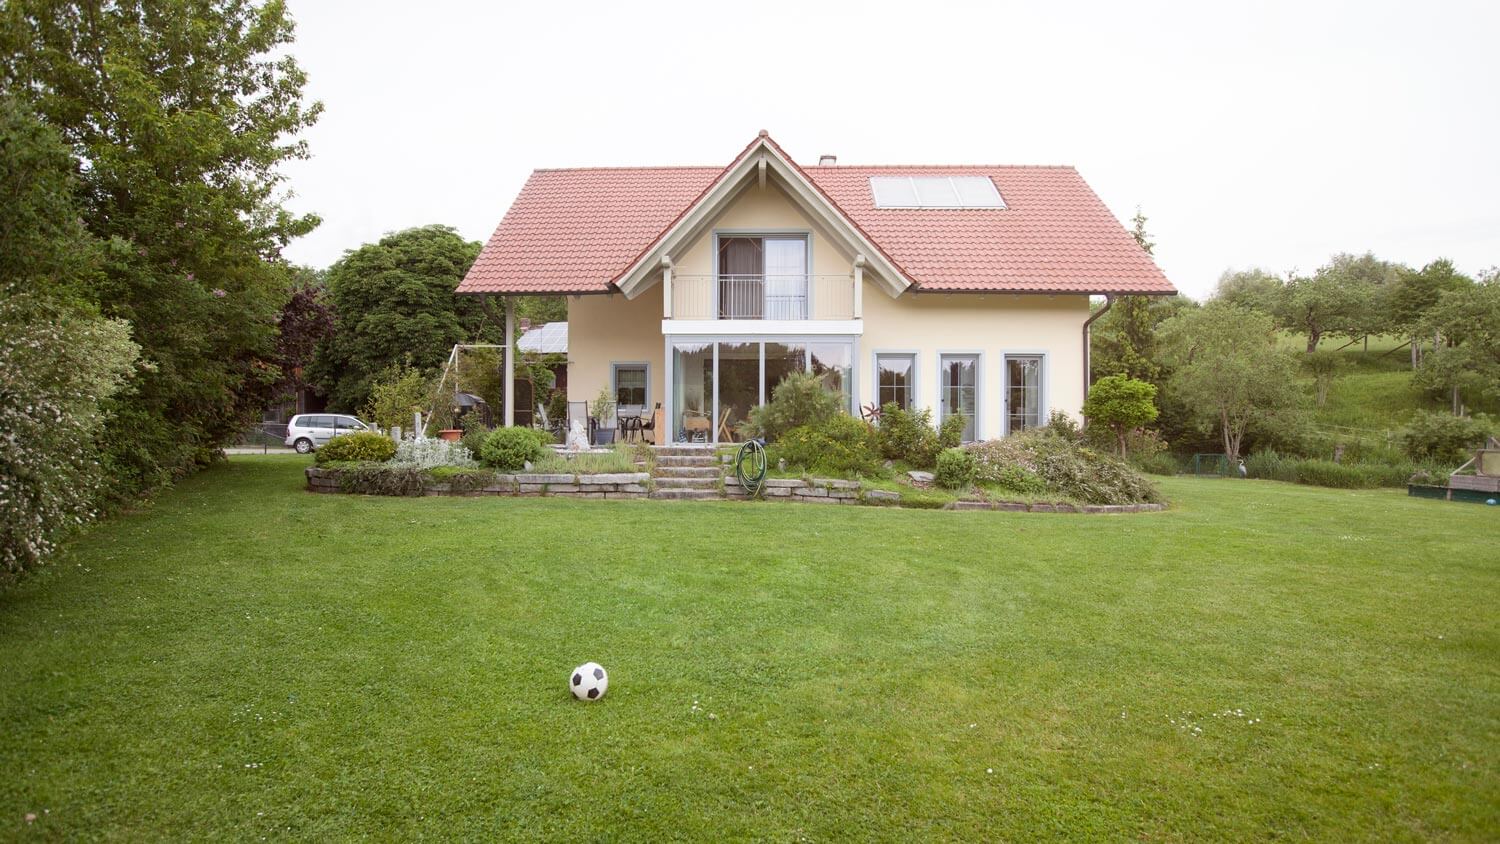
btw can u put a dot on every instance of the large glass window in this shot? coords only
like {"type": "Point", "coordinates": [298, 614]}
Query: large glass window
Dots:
{"type": "Point", "coordinates": [894, 380]}
{"type": "Point", "coordinates": [960, 390]}
{"type": "Point", "coordinates": [1023, 392]}
{"type": "Point", "coordinates": [833, 364]}
{"type": "Point", "coordinates": [739, 386]}
{"type": "Point", "coordinates": [630, 384]}
{"type": "Point", "coordinates": [762, 277]}
{"type": "Point", "coordinates": [781, 359]}
{"type": "Point", "coordinates": [692, 391]}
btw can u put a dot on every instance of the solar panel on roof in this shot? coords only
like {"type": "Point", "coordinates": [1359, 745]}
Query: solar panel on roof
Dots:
{"type": "Point", "coordinates": [549, 339]}
{"type": "Point", "coordinates": [935, 192]}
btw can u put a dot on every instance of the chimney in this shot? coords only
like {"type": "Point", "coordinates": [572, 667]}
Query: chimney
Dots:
{"type": "Point", "coordinates": [827, 160]}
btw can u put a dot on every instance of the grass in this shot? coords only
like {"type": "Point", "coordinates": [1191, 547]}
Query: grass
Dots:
{"type": "Point", "coordinates": [245, 659]}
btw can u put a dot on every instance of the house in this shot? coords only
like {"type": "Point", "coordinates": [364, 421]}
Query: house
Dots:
{"type": "Point", "coordinates": [963, 289]}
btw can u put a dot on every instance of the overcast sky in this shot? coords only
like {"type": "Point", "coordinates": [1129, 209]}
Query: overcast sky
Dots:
{"type": "Point", "coordinates": [1252, 134]}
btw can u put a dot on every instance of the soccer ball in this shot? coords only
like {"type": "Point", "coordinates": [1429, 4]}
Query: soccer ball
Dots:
{"type": "Point", "coordinates": [589, 681]}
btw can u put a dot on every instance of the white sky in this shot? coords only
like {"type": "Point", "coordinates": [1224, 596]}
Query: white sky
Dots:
{"type": "Point", "coordinates": [1250, 133]}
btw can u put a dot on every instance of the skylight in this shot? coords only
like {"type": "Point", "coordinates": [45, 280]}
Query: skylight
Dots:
{"type": "Point", "coordinates": [935, 192]}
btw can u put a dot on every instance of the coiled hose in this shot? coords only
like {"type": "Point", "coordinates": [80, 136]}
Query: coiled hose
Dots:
{"type": "Point", "coordinates": [750, 466]}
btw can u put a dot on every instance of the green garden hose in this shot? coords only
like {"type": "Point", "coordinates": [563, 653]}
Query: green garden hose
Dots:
{"type": "Point", "coordinates": [750, 466]}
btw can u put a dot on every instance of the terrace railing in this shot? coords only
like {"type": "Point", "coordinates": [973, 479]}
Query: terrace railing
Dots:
{"type": "Point", "coordinates": [768, 297]}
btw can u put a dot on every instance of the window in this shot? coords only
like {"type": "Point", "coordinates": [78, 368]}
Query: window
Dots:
{"type": "Point", "coordinates": [893, 380]}
{"type": "Point", "coordinates": [1023, 392]}
{"type": "Point", "coordinates": [630, 384]}
{"type": "Point", "coordinates": [958, 378]}
{"type": "Point", "coordinates": [762, 277]}
{"type": "Point", "coordinates": [935, 192]}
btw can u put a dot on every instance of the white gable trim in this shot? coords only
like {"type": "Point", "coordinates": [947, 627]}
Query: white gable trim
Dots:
{"type": "Point", "coordinates": [754, 163]}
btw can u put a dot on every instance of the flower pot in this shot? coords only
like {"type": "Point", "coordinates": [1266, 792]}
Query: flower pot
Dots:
{"type": "Point", "coordinates": [452, 435]}
{"type": "Point", "coordinates": [604, 436]}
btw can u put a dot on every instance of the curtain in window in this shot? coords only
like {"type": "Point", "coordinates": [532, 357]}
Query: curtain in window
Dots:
{"type": "Point", "coordinates": [741, 278]}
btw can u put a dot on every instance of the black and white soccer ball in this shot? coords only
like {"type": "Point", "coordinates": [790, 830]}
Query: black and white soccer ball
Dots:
{"type": "Point", "coordinates": [589, 681]}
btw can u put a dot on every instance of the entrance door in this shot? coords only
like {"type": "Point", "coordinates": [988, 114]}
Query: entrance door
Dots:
{"type": "Point", "coordinates": [959, 390]}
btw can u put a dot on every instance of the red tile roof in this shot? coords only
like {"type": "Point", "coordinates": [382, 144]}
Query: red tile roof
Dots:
{"type": "Point", "coordinates": [577, 231]}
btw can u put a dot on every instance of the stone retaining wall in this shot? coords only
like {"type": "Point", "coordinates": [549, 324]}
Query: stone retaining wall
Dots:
{"type": "Point", "coordinates": [619, 485]}
{"type": "Point", "coordinates": [835, 491]}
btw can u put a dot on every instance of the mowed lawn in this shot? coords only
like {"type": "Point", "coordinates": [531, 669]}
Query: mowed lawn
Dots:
{"type": "Point", "coordinates": [244, 659]}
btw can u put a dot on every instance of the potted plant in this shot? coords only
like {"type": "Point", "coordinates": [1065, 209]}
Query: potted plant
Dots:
{"type": "Point", "coordinates": [604, 433]}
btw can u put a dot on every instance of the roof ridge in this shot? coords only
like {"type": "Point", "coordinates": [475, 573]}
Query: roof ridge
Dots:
{"type": "Point", "coordinates": [713, 167]}
{"type": "Point", "coordinates": [816, 167]}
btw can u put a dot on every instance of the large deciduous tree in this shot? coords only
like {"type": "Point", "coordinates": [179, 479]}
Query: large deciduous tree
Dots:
{"type": "Point", "coordinates": [1466, 364]}
{"type": "Point", "coordinates": [1229, 373]}
{"type": "Point", "coordinates": [180, 112]}
{"type": "Point", "coordinates": [394, 306]}
{"type": "Point", "coordinates": [1414, 293]}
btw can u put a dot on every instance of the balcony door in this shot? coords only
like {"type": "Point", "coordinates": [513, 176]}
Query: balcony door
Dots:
{"type": "Point", "coordinates": [763, 277]}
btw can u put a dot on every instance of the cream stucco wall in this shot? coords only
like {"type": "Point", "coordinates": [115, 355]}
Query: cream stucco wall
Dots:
{"type": "Point", "coordinates": [603, 330]}
{"type": "Point", "coordinates": [989, 325]}
{"type": "Point", "coordinates": [609, 329]}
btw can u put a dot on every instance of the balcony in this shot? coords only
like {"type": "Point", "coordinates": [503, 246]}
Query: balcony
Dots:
{"type": "Point", "coordinates": [763, 297]}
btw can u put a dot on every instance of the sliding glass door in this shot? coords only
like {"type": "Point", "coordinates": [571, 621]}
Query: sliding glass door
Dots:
{"type": "Point", "coordinates": [959, 390]}
{"type": "Point", "coordinates": [716, 383]}
{"type": "Point", "coordinates": [762, 277]}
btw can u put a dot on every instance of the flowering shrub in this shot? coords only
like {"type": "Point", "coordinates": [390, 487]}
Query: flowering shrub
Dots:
{"type": "Point", "coordinates": [431, 453]}
{"type": "Point", "coordinates": [363, 446]}
{"type": "Point", "coordinates": [907, 435]}
{"type": "Point", "coordinates": [57, 367]}
{"type": "Point", "coordinates": [1064, 466]}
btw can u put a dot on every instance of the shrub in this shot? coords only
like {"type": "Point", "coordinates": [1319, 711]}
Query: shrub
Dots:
{"type": "Point", "coordinates": [382, 479]}
{"type": "Point", "coordinates": [396, 395]}
{"type": "Point", "coordinates": [430, 453]}
{"type": "Point", "coordinates": [955, 469]}
{"type": "Point", "coordinates": [840, 445]}
{"type": "Point", "coordinates": [1019, 479]}
{"type": "Point", "coordinates": [1066, 467]}
{"type": "Point", "coordinates": [1446, 438]}
{"type": "Point", "coordinates": [1121, 404]}
{"type": "Point", "coordinates": [462, 479]}
{"type": "Point", "coordinates": [362, 446]}
{"type": "Point", "coordinates": [951, 432]}
{"type": "Point", "coordinates": [509, 449]}
{"type": "Point", "coordinates": [1060, 424]}
{"type": "Point", "coordinates": [800, 399]}
{"type": "Point", "coordinates": [57, 372]}
{"type": "Point", "coordinates": [1155, 464]}
{"type": "Point", "coordinates": [907, 435]}
{"type": "Point", "coordinates": [1269, 465]}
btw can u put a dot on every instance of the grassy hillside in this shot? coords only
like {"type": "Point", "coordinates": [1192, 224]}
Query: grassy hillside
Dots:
{"type": "Point", "coordinates": [1373, 397]}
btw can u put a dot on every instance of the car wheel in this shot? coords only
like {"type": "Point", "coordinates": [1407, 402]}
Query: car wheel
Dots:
{"type": "Point", "coordinates": [303, 445]}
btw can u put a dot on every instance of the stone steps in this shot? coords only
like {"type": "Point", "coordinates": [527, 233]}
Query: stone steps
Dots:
{"type": "Point", "coordinates": [698, 461]}
{"type": "Point", "coordinates": [688, 483]}
{"type": "Point", "coordinates": [687, 472]}
{"type": "Point", "coordinates": [685, 494]}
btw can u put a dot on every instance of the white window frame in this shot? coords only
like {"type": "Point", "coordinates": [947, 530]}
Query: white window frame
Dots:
{"type": "Point", "coordinates": [978, 355]}
{"type": "Point", "coordinates": [1044, 406]}
{"type": "Point", "coordinates": [914, 376]}
{"type": "Point", "coordinates": [614, 379]}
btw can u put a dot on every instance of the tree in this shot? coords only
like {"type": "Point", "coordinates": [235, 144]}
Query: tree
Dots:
{"type": "Point", "coordinates": [181, 113]}
{"type": "Point", "coordinates": [1325, 367]}
{"type": "Point", "coordinates": [394, 304]}
{"type": "Point", "coordinates": [306, 320]}
{"type": "Point", "coordinates": [59, 360]}
{"type": "Point", "coordinates": [1253, 289]}
{"type": "Point", "coordinates": [1330, 301]}
{"type": "Point", "coordinates": [1229, 373]}
{"type": "Point", "coordinates": [1414, 293]}
{"type": "Point", "coordinates": [1123, 404]}
{"type": "Point", "coordinates": [1466, 365]}
{"type": "Point", "coordinates": [1124, 341]}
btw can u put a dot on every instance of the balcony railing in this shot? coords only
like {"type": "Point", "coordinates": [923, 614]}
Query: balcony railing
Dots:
{"type": "Point", "coordinates": [769, 297]}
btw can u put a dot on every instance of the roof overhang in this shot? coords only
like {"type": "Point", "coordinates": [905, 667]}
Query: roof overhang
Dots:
{"type": "Point", "coordinates": [762, 163]}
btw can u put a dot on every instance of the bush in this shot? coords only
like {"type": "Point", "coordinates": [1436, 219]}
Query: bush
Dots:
{"type": "Point", "coordinates": [955, 469]}
{"type": "Point", "coordinates": [907, 435]}
{"type": "Point", "coordinates": [462, 479]}
{"type": "Point", "coordinates": [799, 400]}
{"type": "Point", "coordinates": [1066, 467]}
{"type": "Point", "coordinates": [840, 445]}
{"type": "Point", "coordinates": [382, 479]}
{"type": "Point", "coordinates": [432, 453]}
{"type": "Point", "coordinates": [360, 446]}
{"type": "Point", "coordinates": [1445, 438]}
{"type": "Point", "coordinates": [510, 449]}
{"type": "Point", "coordinates": [1155, 464]}
{"type": "Point", "coordinates": [951, 432]}
{"type": "Point", "coordinates": [57, 370]}
{"type": "Point", "coordinates": [1269, 465]}
{"type": "Point", "coordinates": [396, 395]}
{"type": "Point", "coordinates": [1018, 479]}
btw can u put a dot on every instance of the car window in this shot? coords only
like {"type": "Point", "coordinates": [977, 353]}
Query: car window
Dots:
{"type": "Point", "coordinates": [349, 422]}
{"type": "Point", "coordinates": [320, 422]}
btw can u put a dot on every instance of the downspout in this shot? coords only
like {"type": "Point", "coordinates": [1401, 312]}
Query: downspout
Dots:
{"type": "Point", "coordinates": [1088, 381]}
